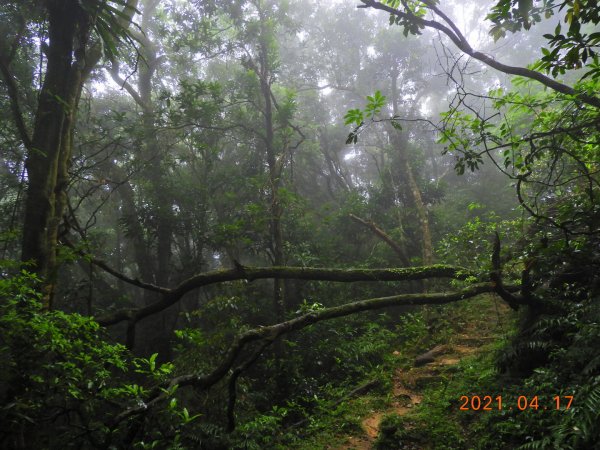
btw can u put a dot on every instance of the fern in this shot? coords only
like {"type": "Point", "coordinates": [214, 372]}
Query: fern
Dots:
{"type": "Point", "coordinates": [592, 366]}
{"type": "Point", "coordinates": [593, 400]}
{"type": "Point", "coordinates": [544, 443]}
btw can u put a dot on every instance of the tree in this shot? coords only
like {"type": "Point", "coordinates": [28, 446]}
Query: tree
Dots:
{"type": "Point", "coordinates": [411, 17]}
{"type": "Point", "coordinates": [71, 53]}
{"type": "Point", "coordinates": [216, 192]}
{"type": "Point", "coordinates": [549, 136]}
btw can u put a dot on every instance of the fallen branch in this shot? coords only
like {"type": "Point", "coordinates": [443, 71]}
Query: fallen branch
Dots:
{"type": "Point", "coordinates": [232, 384]}
{"type": "Point", "coordinates": [172, 296]}
{"type": "Point", "coordinates": [273, 332]}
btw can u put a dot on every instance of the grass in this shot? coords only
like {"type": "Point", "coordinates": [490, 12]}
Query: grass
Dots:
{"type": "Point", "coordinates": [438, 422]}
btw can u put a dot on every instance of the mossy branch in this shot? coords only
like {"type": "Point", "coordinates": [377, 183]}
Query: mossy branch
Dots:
{"type": "Point", "coordinates": [172, 296]}
{"type": "Point", "coordinates": [268, 334]}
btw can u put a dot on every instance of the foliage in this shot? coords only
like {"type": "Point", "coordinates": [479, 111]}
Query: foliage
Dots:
{"type": "Point", "coordinates": [233, 131]}
{"type": "Point", "coordinates": [62, 382]}
{"type": "Point", "coordinates": [568, 366]}
{"type": "Point", "coordinates": [358, 116]}
{"type": "Point", "coordinates": [113, 20]}
{"type": "Point", "coordinates": [415, 8]}
{"type": "Point", "coordinates": [553, 354]}
{"type": "Point", "coordinates": [571, 50]}
{"type": "Point", "coordinates": [534, 144]}
{"type": "Point", "coordinates": [261, 432]}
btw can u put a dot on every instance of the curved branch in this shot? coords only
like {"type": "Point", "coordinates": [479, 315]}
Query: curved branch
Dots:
{"type": "Point", "coordinates": [526, 297]}
{"type": "Point", "coordinates": [465, 47]}
{"type": "Point", "coordinates": [535, 214]}
{"type": "Point", "coordinates": [172, 296]}
{"type": "Point", "coordinates": [273, 332]}
{"type": "Point", "coordinates": [232, 383]}
{"type": "Point", "coordinates": [113, 71]}
{"type": "Point", "coordinates": [496, 276]}
{"type": "Point", "coordinates": [102, 265]}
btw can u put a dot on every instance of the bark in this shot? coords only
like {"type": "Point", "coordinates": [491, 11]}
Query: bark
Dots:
{"type": "Point", "coordinates": [262, 68]}
{"type": "Point", "coordinates": [399, 249]}
{"type": "Point", "coordinates": [50, 152]}
{"type": "Point", "coordinates": [269, 334]}
{"type": "Point", "coordinates": [336, 173]}
{"type": "Point", "coordinates": [157, 172]}
{"type": "Point", "coordinates": [232, 383]}
{"type": "Point", "coordinates": [264, 75]}
{"type": "Point", "coordinates": [429, 357]}
{"type": "Point", "coordinates": [13, 95]}
{"type": "Point", "coordinates": [134, 230]}
{"type": "Point", "coordinates": [172, 296]}
{"type": "Point", "coordinates": [154, 259]}
{"type": "Point", "coordinates": [115, 273]}
{"type": "Point", "coordinates": [408, 177]}
{"type": "Point", "coordinates": [70, 59]}
{"type": "Point", "coordinates": [421, 209]}
{"type": "Point", "coordinates": [496, 277]}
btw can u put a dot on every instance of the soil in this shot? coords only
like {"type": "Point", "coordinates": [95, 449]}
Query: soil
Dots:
{"type": "Point", "coordinates": [408, 385]}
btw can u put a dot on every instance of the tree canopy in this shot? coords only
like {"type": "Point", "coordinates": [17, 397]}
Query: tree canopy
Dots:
{"type": "Point", "coordinates": [219, 218]}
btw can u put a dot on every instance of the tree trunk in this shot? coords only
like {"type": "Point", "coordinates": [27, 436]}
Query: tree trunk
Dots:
{"type": "Point", "coordinates": [408, 177]}
{"type": "Point", "coordinates": [49, 156]}
{"type": "Point", "coordinates": [153, 261]}
{"type": "Point", "coordinates": [275, 169]}
{"type": "Point", "coordinates": [134, 230]}
{"type": "Point", "coordinates": [275, 164]}
{"type": "Point", "coordinates": [69, 62]}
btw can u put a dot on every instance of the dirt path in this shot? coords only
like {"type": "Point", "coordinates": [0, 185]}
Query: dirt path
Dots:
{"type": "Point", "coordinates": [408, 384]}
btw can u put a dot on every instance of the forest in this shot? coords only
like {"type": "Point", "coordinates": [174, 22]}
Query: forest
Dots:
{"type": "Point", "coordinates": [299, 224]}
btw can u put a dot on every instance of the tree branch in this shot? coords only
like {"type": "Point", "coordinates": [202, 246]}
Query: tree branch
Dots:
{"type": "Point", "coordinates": [102, 265]}
{"type": "Point", "coordinates": [465, 47]}
{"type": "Point", "coordinates": [13, 95]}
{"type": "Point", "coordinates": [270, 333]}
{"type": "Point", "coordinates": [232, 383]}
{"type": "Point", "coordinates": [496, 276]}
{"type": "Point", "coordinates": [172, 296]}
{"type": "Point", "coordinates": [114, 73]}
{"type": "Point", "coordinates": [385, 237]}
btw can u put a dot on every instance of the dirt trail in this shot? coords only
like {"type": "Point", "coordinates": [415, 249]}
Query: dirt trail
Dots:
{"type": "Point", "coordinates": [408, 384]}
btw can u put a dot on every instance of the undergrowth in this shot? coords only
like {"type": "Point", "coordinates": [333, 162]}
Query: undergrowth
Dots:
{"type": "Point", "coordinates": [555, 405]}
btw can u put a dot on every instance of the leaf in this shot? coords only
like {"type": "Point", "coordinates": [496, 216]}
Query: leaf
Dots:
{"type": "Point", "coordinates": [353, 116]}
{"type": "Point", "coordinates": [396, 125]}
{"type": "Point", "coordinates": [353, 137]}
{"type": "Point", "coordinates": [152, 362]}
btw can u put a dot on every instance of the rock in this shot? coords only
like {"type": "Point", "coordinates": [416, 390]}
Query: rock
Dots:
{"type": "Point", "coordinates": [429, 357]}
{"type": "Point", "coordinates": [404, 400]}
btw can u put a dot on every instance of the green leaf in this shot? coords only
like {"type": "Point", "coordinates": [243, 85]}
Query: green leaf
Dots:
{"type": "Point", "coordinates": [353, 116]}
{"type": "Point", "coordinates": [152, 362]}
{"type": "Point", "coordinates": [396, 125]}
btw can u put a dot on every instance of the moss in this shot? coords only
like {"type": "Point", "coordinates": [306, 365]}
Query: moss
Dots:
{"type": "Point", "coordinates": [397, 432]}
